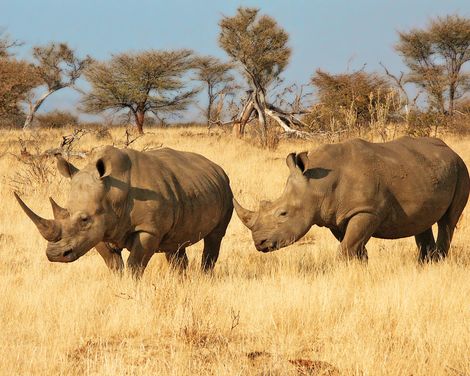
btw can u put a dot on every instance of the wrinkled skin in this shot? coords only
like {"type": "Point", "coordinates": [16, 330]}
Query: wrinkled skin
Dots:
{"type": "Point", "coordinates": [361, 190]}
{"type": "Point", "coordinates": [157, 201]}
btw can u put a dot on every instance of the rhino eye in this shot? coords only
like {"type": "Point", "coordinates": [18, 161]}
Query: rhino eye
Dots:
{"type": "Point", "coordinates": [282, 213]}
{"type": "Point", "coordinates": [84, 218]}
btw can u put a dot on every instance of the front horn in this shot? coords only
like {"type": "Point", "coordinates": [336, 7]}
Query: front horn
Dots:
{"type": "Point", "coordinates": [248, 217]}
{"type": "Point", "coordinates": [49, 230]}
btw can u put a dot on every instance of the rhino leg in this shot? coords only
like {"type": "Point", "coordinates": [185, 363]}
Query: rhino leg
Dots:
{"type": "Point", "coordinates": [142, 248]}
{"type": "Point", "coordinates": [337, 234]}
{"type": "Point", "coordinates": [426, 244]}
{"type": "Point", "coordinates": [212, 243]}
{"type": "Point", "coordinates": [111, 256]}
{"type": "Point", "coordinates": [178, 260]}
{"type": "Point", "coordinates": [358, 232]}
{"type": "Point", "coordinates": [211, 251]}
{"type": "Point", "coordinates": [446, 225]}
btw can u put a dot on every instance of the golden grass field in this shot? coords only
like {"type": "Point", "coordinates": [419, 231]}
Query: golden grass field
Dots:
{"type": "Point", "coordinates": [297, 311]}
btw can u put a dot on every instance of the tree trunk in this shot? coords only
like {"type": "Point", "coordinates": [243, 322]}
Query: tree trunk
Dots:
{"type": "Point", "coordinates": [139, 120]}
{"type": "Point", "coordinates": [245, 116]}
{"type": "Point", "coordinates": [33, 109]}
{"type": "Point", "coordinates": [219, 107]}
{"type": "Point", "coordinates": [451, 98]}
{"type": "Point", "coordinates": [236, 131]}
{"type": "Point", "coordinates": [441, 103]}
{"type": "Point", "coordinates": [260, 104]}
{"type": "Point", "coordinates": [209, 111]}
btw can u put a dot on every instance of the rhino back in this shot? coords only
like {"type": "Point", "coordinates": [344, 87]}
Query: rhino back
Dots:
{"type": "Point", "coordinates": [408, 183]}
{"type": "Point", "coordinates": [182, 195]}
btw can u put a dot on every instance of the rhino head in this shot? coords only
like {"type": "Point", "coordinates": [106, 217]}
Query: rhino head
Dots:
{"type": "Point", "coordinates": [282, 222]}
{"type": "Point", "coordinates": [83, 223]}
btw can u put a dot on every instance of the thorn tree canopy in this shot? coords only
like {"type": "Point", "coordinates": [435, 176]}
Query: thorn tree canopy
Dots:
{"type": "Point", "coordinates": [140, 82]}
{"type": "Point", "coordinates": [435, 56]}
{"type": "Point", "coordinates": [57, 67]}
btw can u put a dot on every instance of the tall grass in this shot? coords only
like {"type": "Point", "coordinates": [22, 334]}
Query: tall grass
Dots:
{"type": "Point", "coordinates": [295, 311]}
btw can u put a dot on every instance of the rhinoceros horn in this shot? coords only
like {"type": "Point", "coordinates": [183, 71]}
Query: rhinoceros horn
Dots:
{"type": "Point", "coordinates": [50, 230]}
{"type": "Point", "coordinates": [59, 212]}
{"type": "Point", "coordinates": [248, 217]}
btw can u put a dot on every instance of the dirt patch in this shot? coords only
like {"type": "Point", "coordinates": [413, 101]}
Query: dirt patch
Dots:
{"type": "Point", "coordinates": [264, 361]}
{"type": "Point", "coordinates": [308, 367]}
{"type": "Point", "coordinates": [131, 352]}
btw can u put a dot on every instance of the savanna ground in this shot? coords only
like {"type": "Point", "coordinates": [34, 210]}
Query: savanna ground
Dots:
{"type": "Point", "coordinates": [296, 311]}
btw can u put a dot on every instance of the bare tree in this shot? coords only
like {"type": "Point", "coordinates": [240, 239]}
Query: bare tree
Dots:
{"type": "Point", "coordinates": [435, 56]}
{"type": "Point", "coordinates": [219, 81]}
{"type": "Point", "coordinates": [149, 81]}
{"type": "Point", "coordinates": [400, 83]}
{"type": "Point", "coordinates": [294, 98]}
{"type": "Point", "coordinates": [57, 67]}
{"type": "Point", "coordinates": [259, 45]}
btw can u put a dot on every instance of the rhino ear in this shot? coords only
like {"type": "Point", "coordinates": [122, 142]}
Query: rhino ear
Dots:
{"type": "Point", "coordinates": [301, 160]}
{"type": "Point", "coordinates": [103, 168]}
{"type": "Point", "coordinates": [67, 169]}
{"type": "Point", "coordinates": [296, 163]}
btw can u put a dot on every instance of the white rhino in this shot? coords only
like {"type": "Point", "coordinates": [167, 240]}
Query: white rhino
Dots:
{"type": "Point", "coordinates": [361, 190]}
{"type": "Point", "coordinates": [147, 202]}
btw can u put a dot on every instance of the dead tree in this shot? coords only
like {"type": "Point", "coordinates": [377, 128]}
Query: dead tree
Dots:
{"type": "Point", "coordinates": [400, 82]}
{"type": "Point", "coordinates": [259, 46]}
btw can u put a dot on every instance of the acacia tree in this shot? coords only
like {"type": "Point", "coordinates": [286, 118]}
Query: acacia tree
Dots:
{"type": "Point", "coordinates": [149, 81]}
{"type": "Point", "coordinates": [57, 67]}
{"type": "Point", "coordinates": [259, 46]}
{"type": "Point", "coordinates": [218, 79]}
{"type": "Point", "coordinates": [17, 79]}
{"type": "Point", "coordinates": [435, 56]}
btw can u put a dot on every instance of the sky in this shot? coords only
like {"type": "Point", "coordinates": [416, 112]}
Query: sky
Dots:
{"type": "Point", "coordinates": [332, 35]}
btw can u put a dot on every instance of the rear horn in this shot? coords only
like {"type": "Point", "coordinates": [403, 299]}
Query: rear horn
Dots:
{"type": "Point", "coordinates": [59, 212]}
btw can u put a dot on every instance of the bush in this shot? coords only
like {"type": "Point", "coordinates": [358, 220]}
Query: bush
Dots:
{"type": "Point", "coordinates": [460, 123]}
{"type": "Point", "coordinates": [352, 101]}
{"type": "Point", "coordinates": [425, 123]}
{"type": "Point", "coordinates": [14, 119]}
{"type": "Point", "coordinates": [34, 170]}
{"type": "Point", "coordinates": [57, 119]}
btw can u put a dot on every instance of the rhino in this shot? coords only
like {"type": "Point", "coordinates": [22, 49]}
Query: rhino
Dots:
{"type": "Point", "coordinates": [156, 201]}
{"type": "Point", "coordinates": [360, 190]}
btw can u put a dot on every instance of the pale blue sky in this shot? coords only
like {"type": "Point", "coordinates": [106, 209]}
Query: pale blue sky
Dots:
{"type": "Point", "coordinates": [323, 34]}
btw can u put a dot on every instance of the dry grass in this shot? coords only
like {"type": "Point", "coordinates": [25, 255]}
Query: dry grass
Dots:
{"type": "Point", "coordinates": [294, 312]}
